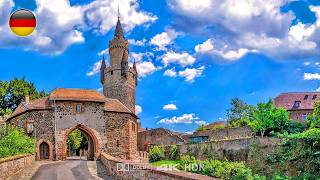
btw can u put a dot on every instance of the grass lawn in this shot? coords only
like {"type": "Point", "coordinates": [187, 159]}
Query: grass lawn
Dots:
{"type": "Point", "coordinates": [165, 162]}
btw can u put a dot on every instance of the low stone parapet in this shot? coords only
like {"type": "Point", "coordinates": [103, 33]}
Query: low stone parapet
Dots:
{"type": "Point", "coordinates": [132, 170]}
{"type": "Point", "coordinates": [11, 165]}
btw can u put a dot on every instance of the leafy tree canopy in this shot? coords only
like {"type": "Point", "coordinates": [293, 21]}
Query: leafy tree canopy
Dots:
{"type": "Point", "coordinates": [313, 121]}
{"type": "Point", "coordinates": [239, 113]}
{"type": "Point", "coordinates": [13, 92]}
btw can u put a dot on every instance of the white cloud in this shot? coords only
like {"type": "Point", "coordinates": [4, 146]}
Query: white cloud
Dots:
{"type": "Point", "coordinates": [138, 109]}
{"type": "Point", "coordinates": [307, 63]}
{"type": "Point", "coordinates": [201, 122]}
{"type": "Point", "coordinates": [311, 76]}
{"type": "Point", "coordinates": [137, 42]}
{"type": "Point", "coordinates": [95, 69]}
{"type": "Point", "coordinates": [102, 15]}
{"type": "Point", "coordinates": [104, 52]}
{"type": "Point", "coordinates": [183, 58]}
{"type": "Point", "coordinates": [61, 24]}
{"type": "Point", "coordinates": [138, 57]}
{"type": "Point", "coordinates": [59, 28]}
{"type": "Point", "coordinates": [185, 118]}
{"type": "Point", "coordinates": [204, 47]}
{"type": "Point", "coordinates": [248, 26]}
{"type": "Point", "coordinates": [163, 39]}
{"type": "Point", "coordinates": [191, 73]}
{"type": "Point", "coordinates": [146, 68]}
{"type": "Point", "coordinates": [318, 90]}
{"type": "Point", "coordinates": [224, 52]}
{"type": "Point", "coordinates": [170, 73]}
{"type": "Point", "coordinates": [170, 107]}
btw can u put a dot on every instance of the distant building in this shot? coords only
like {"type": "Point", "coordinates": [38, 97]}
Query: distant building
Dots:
{"type": "Point", "coordinates": [220, 134]}
{"type": "Point", "coordinates": [158, 136]}
{"type": "Point", "coordinates": [298, 104]}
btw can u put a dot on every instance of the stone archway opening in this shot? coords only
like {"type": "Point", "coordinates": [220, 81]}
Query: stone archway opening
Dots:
{"type": "Point", "coordinates": [88, 147]}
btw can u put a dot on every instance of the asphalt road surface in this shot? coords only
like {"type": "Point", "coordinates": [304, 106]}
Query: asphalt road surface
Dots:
{"type": "Point", "coordinates": [71, 170]}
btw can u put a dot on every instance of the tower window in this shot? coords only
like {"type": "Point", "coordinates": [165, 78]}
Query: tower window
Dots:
{"type": "Point", "coordinates": [306, 97]}
{"type": "Point", "coordinates": [111, 72]}
{"type": "Point", "coordinates": [118, 144]}
{"type": "Point", "coordinates": [78, 108]}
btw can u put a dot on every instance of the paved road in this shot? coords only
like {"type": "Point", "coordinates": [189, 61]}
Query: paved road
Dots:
{"type": "Point", "coordinates": [71, 170]}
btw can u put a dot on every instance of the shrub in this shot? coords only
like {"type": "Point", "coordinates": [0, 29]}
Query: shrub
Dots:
{"type": "Point", "coordinates": [173, 152]}
{"type": "Point", "coordinates": [14, 142]}
{"type": "Point", "coordinates": [218, 169]}
{"type": "Point", "coordinates": [156, 153]}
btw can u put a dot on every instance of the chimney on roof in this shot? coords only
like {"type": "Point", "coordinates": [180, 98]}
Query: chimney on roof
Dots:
{"type": "Point", "coordinates": [27, 99]}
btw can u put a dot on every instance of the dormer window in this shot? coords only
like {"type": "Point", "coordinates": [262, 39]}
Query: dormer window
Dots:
{"type": "Point", "coordinates": [306, 97]}
{"type": "Point", "coordinates": [296, 104]}
{"type": "Point", "coordinates": [314, 97]}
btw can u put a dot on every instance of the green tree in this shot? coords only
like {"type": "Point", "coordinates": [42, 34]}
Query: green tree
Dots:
{"type": "Point", "coordinates": [202, 127]}
{"type": "Point", "coordinates": [12, 93]}
{"type": "Point", "coordinates": [313, 121]}
{"type": "Point", "coordinates": [239, 113]}
{"type": "Point", "coordinates": [74, 139]}
{"type": "Point", "coordinates": [268, 118]}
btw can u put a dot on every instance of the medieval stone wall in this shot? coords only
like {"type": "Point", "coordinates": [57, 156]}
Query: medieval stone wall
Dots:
{"type": "Point", "coordinates": [43, 124]}
{"type": "Point", "coordinates": [225, 133]}
{"type": "Point", "coordinates": [12, 165]}
{"type": "Point", "coordinates": [157, 136]}
{"type": "Point", "coordinates": [121, 132]}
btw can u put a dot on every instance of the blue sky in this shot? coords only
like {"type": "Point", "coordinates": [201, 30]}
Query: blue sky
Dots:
{"type": "Point", "coordinates": [193, 56]}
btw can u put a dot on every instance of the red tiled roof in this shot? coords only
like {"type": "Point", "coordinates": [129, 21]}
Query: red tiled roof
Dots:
{"type": "Point", "coordinates": [77, 95]}
{"type": "Point", "coordinates": [71, 95]}
{"type": "Point", "coordinates": [115, 105]}
{"type": "Point", "coordinates": [306, 99]}
{"type": "Point", "coordinates": [41, 103]}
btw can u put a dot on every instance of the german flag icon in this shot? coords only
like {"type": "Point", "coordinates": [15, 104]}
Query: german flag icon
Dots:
{"type": "Point", "coordinates": [22, 22]}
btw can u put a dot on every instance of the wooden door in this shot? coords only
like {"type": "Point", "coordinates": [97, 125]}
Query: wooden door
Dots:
{"type": "Point", "coordinates": [44, 151]}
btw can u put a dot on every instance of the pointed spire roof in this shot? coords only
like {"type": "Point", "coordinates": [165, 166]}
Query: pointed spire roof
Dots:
{"type": "Point", "coordinates": [134, 65]}
{"type": "Point", "coordinates": [119, 31]}
{"type": "Point", "coordinates": [103, 63]}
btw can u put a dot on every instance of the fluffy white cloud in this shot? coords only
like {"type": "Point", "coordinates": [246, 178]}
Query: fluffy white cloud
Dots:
{"type": "Point", "coordinates": [170, 107]}
{"type": "Point", "coordinates": [95, 69]}
{"type": "Point", "coordinates": [137, 42]}
{"type": "Point", "coordinates": [248, 26]}
{"type": "Point", "coordinates": [318, 90]}
{"type": "Point", "coordinates": [183, 58]}
{"type": "Point", "coordinates": [138, 109]}
{"type": "Point", "coordinates": [146, 68]}
{"type": "Point", "coordinates": [311, 76]}
{"type": "Point", "coordinates": [170, 73]}
{"type": "Point", "coordinates": [191, 73]}
{"type": "Point", "coordinates": [204, 47]}
{"type": "Point", "coordinates": [163, 39]}
{"type": "Point", "coordinates": [57, 30]}
{"type": "Point", "coordinates": [185, 118]}
{"type": "Point", "coordinates": [102, 14]}
{"type": "Point", "coordinates": [61, 25]}
{"type": "Point", "coordinates": [225, 52]}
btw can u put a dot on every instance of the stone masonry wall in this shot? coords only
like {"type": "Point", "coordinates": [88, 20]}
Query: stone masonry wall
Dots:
{"type": "Point", "coordinates": [91, 117]}
{"type": "Point", "coordinates": [298, 115]}
{"type": "Point", "coordinates": [42, 122]}
{"type": "Point", "coordinates": [225, 133]}
{"type": "Point", "coordinates": [150, 172]}
{"type": "Point", "coordinates": [12, 165]}
{"type": "Point", "coordinates": [233, 150]}
{"type": "Point", "coordinates": [121, 132]}
{"type": "Point", "coordinates": [158, 136]}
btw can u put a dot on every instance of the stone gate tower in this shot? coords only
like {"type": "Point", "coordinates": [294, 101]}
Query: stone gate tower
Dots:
{"type": "Point", "coordinates": [118, 79]}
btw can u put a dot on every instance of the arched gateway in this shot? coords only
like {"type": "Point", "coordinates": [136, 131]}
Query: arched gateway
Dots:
{"type": "Point", "coordinates": [108, 120]}
{"type": "Point", "coordinates": [93, 150]}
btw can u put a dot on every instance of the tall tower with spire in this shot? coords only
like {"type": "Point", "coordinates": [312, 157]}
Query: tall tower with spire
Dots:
{"type": "Point", "coordinates": [118, 79]}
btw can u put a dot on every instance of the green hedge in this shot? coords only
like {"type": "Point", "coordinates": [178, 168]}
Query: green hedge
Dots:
{"type": "Point", "coordinates": [13, 142]}
{"type": "Point", "coordinates": [218, 169]}
{"type": "Point", "coordinates": [156, 153]}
